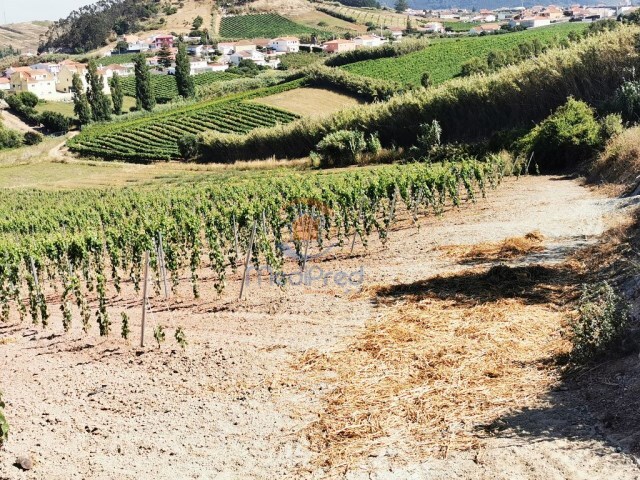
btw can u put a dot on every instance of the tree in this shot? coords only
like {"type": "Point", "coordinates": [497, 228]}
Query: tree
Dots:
{"type": "Point", "coordinates": [80, 103]}
{"type": "Point", "coordinates": [164, 56]}
{"type": "Point", "coordinates": [184, 80]}
{"type": "Point", "coordinates": [55, 122]}
{"type": "Point", "coordinates": [401, 6]}
{"type": "Point", "coordinates": [117, 95]}
{"type": "Point", "coordinates": [145, 99]}
{"type": "Point", "coordinates": [197, 22]}
{"type": "Point", "coordinates": [98, 100]}
{"type": "Point", "coordinates": [426, 80]}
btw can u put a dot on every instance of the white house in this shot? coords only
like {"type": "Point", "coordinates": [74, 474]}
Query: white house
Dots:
{"type": "Point", "coordinates": [368, 41]}
{"type": "Point", "coordinates": [226, 48]}
{"type": "Point", "coordinates": [253, 55]}
{"type": "Point", "coordinates": [195, 50]}
{"type": "Point", "coordinates": [534, 22]}
{"type": "Point", "coordinates": [39, 82]}
{"type": "Point", "coordinates": [218, 67]}
{"type": "Point", "coordinates": [396, 32]}
{"type": "Point", "coordinates": [5, 84]}
{"type": "Point", "coordinates": [199, 66]}
{"type": "Point", "coordinates": [434, 27]}
{"type": "Point", "coordinates": [486, 29]}
{"type": "Point", "coordinates": [285, 44]}
{"type": "Point", "coordinates": [52, 68]}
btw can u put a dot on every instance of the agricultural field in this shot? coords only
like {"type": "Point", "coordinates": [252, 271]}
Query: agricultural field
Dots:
{"type": "Point", "coordinates": [459, 26]}
{"type": "Point", "coordinates": [155, 136]}
{"type": "Point", "coordinates": [443, 59]}
{"type": "Point", "coordinates": [66, 108]}
{"type": "Point", "coordinates": [310, 102]}
{"type": "Point", "coordinates": [316, 19]}
{"type": "Point", "coordinates": [165, 88]}
{"type": "Point", "coordinates": [266, 25]}
{"type": "Point", "coordinates": [386, 18]}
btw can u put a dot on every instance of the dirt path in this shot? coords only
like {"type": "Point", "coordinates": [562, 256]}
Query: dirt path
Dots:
{"type": "Point", "coordinates": [58, 152]}
{"type": "Point", "coordinates": [231, 406]}
{"type": "Point", "coordinates": [14, 123]}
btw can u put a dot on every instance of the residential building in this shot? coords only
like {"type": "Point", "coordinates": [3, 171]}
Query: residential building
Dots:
{"type": "Point", "coordinates": [65, 77]}
{"type": "Point", "coordinates": [534, 22]}
{"type": "Point", "coordinates": [484, 29]}
{"type": "Point", "coordinates": [396, 32]}
{"type": "Point", "coordinates": [160, 41]}
{"type": "Point", "coordinates": [368, 41]}
{"type": "Point", "coordinates": [52, 68]}
{"type": "Point", "coordinates": [5, 84]}
{"type": "Point", "coordinates": [434, 27]}
{"type": "Point", "coordinates": [244, 46]}
{"type": "Point", "coordinates": [339, 46]}
{"type": "Point", "coordinates": [285, 44]}
{"type": "Point", "coordinates": [39, 82]}
{"type": "Point", "coordinates": [195, 50]}
{"type": "Point", "coordinates": [257, 57]}
{"type": "Point", "coordinates": [226, 48]}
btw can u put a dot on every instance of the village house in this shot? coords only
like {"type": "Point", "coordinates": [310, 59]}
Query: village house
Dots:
{"type": "Point", "coordinates": [11, 70]}
{"type": "Point", "coordinates": [434, 27]}
{"type": "Point", "coordinates": [257, 57]}
{"type": "Point", "coordinates": [69, 68]}
{"type": "Point", "coordinates": [195, 50]}
{"type": "Point", "coordinates": [5, 84]}
{"type": "Point", "coordinates": [38, 82]}
{"type": "Point", "coordinates": [52, 68]}
{"type": "Point", "coordinates": [160, 41]}
{"type": "Point", "coordinates": [534, 22]}
{"type": "Point", "coordinates": [485, 29]}
{"type": "Point", "coordinates": [218, 67]}
{"type": "Point", "coordinates": [339, 46]}
{"type": "Point", "coordinates": [244, 46]}
{"type": "Point", "coordinates": [285, 44]}
{"type": "Point", "coordinates": [226, 48]}
{"type": "Point", "coordinates": [396, 32]}
{"type": "Point", "coordinates": [368, 41]}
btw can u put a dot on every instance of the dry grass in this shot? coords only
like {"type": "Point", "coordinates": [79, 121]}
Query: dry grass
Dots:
{"type": "Point", "coordinates": [432, 371]}
{"type": "Point", "coordinates": [451, 355]}
{"type": "Point", "coordinates": [620, 161]}
{"type": "Point", "coordinates": [507, 249]}
{"type": "Point", "coordinates": [310, 102]}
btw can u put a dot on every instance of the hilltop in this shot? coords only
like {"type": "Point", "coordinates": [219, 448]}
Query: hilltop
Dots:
{"type": "Point", "coordinates": [23, 36]}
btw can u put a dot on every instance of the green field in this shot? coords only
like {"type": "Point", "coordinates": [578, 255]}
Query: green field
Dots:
{"type": "Point", "coordinates": [443, 59]}
{"type": "Point", "coordinates": [460, 26]}
{"type": "Point", "coordinates": [165, 88]}
{"type": "Point", "coordinates": [66, 108]}
{"type": "Point", "coordinates": [155, 136]}
{"type": "Point", "coordinates": [267, 25]}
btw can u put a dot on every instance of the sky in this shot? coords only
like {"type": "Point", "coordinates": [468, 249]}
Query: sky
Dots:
{"type": "Point", "coordinates": [26, 10]}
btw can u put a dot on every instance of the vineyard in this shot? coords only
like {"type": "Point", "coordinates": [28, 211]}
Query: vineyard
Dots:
{"type": "Point", "coordinates": [267, 25]}
{"type": "Point", "coordinates": [155, 136]}
{"type": "Point", "coordinates": [165, 88]}
{"type": "Point", "coordinates": [444, 58]}
{"type": "Point", "coordinates": [72, 248]}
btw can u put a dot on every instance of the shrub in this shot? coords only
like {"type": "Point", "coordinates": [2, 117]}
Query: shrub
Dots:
{"type": "Point", "coordinates": [428, 138]}
{"type": "Point", "coordinates": [373, 144]}
{"type": "Point", "coordinates": [188, 147]}
{"type": "Point", "coordinates": [473, 67]}
{"type": "Point", "coordinates": [32, 138]}
{"type": "Point", "coordinates": [29, 99]}
{"type": "Point", "coordinates": [620, 160]}
{"type": "Point", "coordinates": [611, 126]}
{"type": "Point", "coordinates": [55, 122]}
{"type": "Point", "coordinates": [10, 138]}
{"type": "Point", "coordinates": [602, 319]}
{"type": "Point", "coordinates": [571, 134]}
{"type": "Point", "coordinates": [627, 101]}
{"type": "Point", "coordinates": [341, 148]}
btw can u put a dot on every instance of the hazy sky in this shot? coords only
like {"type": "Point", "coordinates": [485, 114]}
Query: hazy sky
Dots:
{"type": "Point", "coordinates": [24, 10]}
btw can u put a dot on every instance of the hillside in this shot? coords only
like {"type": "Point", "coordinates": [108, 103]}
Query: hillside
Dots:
{"type": "Point", "coordinates": [443, 59]}
{"type": "Point", "coordinates": [23, 36]}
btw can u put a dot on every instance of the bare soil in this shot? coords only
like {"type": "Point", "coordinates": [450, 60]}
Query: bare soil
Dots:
{"type": "Point", "coordinates": [234, 404]}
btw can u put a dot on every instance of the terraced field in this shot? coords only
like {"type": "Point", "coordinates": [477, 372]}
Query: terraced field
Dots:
{"type": "Point", "coordinates": [443, 59]}
{"type": "Point", "coordinates": [155, 136]}
{"type": "Point", "coordinates": [361, 16]}
{"type": "Point", "coordinates": [165, 88]}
